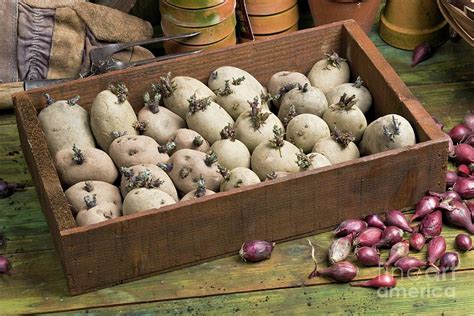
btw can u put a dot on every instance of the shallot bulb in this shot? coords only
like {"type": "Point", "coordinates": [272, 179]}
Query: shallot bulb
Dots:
{"type": "Point", "coordinates": [426, 205]}
{"type": "Point", "coordinates": [451, 178]}
{"type": "Point", "coordinates": [436, 249]}
{"type": "Point", "coordinates": [431, 225]}
{"type": "Point", "coordinates": [464, 154]}
{"type": "Point", "coordinates": [368, 256]}
{"type": "Point", "coordinates": [350, 226]}
{"type": "Point", "coordinates": [459, 133]}
{"type": "Point", "coordinates": [368, 237]}
{"type": "Point", "coordinates": [417, 241]}
{"type": "Point", "coordinates": [374, 220]}
{"type": "Point", "coordinates": [448, 195]}
{"type": "Point", "coordinates": [464, 171]}
{"type": "Point", "coordinates": [449, 262]}
{"type": "Point", "coordinates": [256, 250]}
{"type": "Point", "coordinates": [380, 281]}
{"type": "Point", "coordinates": [390, 236]}
{"type": "Point", "coordinates": [463, 242]}
{"type": "Point", "coordinates": [458, 214]}
{"type": "Point", "coordinates": [465, 187]}
{"type": "Point", "coordinates": [342, 271]}
{"type": "Point", "coordinates": [4, 265]}
{"type": "Point", "coordinates": [340, 249]}
{"type": "Point", "coordinates": [396, 218]}
{"type": "Point", "coordinates": [409, 264]}
{"type": "Point", "coordinates": [421, 53]}
{"type": "Point", "coordinates": [399, 250]}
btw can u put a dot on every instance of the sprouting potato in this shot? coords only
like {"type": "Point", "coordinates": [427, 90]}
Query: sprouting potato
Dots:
{"type": "Point", "coordinates": [189, 139]}
{"type": "Point", "coordinates": [283, 82]}
{"type": "Point", "coordinates": [81, 164]}
{"type": "Point", "coordinates": [218, 78]}
{"type": "Point", "coordinates": [274, 155]}
{"type": "Point", "coordinates": [200, 190]}
{"type": "Point", "coordinates": [177, 91]}
{"type": "Point", "coordinates": [65, 123]}
{"type": "Point", "coordinates": [207, 118]}
{"type": "Point", "coordinates": [305, 130]}
{"type": "Point", "coordinates": [339, 147]}
{"type": "Point", "coordinates": [144, 199]}
{"type": "Point", "coordinates": [311, 161]}
{"type": "Point", "coordinates": [112, 114]}
{"type": "Point", "coordinates": [362, 95]}
{"type": "Point", "coordinates": [387, 132]}
{"type": "Point", "coordinates": [231, 152]}
{"type": "Point", "coordinates": [103, 191]}
{"type": "Point", "coordinates": [189, 165]}
{"type": "Point", "coordinates": [159, 123]}
{"type": "Point", "coordinates": [255, 126]}
{"type": "Point", "coordinates": [237, 178]}
{"type": "Point", "coordinates": [303, 99]}
{"type": "Point", "coordinates": [329, 72]}
{"type": "Point", "coordinates": [143, 175]}
{"type": "Point", "coordinates": [276, 175]}
{"type": "Point", "coordinates": [128, 151]}
{"type": "Point", "coordinates": [346, 116]}
{"type": "Point", "coordinates": [95, 213]}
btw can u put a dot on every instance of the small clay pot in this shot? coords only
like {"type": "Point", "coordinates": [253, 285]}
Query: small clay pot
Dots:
{"type": "Point", "coordinates": [294, 28]}
{"type": "Point", "coordinates": [175, 47]}
{"type": "Point", "coordinates": [328, 11]}
{"type": "Point", "coordinates": [195, 4]}
{"type": "Point", "coordinates": [268, 7]}
{"type": "Point", "coordinates": [270, 24]}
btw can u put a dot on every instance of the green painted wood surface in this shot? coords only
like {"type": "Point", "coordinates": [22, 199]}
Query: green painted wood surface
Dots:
{"type": "Point", "coordinates": [445, 86]}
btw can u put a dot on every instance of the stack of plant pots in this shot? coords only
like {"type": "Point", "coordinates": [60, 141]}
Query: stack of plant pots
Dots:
{"type": "Point", "coordinates": [214, 19]}
{"type": "Point", "coordinates": [272, 17]}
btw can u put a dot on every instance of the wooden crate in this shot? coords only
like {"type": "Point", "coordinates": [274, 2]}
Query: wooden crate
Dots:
{"type": "Point", "coordinates": [188, 233]}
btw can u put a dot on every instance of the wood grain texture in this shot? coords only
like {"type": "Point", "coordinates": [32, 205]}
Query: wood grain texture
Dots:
{"type": "Point", "coordinates": [196, 231]}
{"type": "Point", "coordinates": [6, 92]}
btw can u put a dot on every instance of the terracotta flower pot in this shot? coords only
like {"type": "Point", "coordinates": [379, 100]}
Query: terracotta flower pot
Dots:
{"type": "Point", "coordinates": [270, 24]}
{"type": "Point", "coordinates": [328, 11]}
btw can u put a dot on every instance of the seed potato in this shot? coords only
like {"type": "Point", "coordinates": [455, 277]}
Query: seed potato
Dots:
{"type": "Point", "coordinates": [103, 191]}
{"type": "Point", "coordinates": [99, 213]}
{"type": "Point", "coordinates": [218, 78]}
{"type": "Point", "coordinates": [363, 97]}
{"type": "Point", "coordinates": [189, 139]}
{"type": "Point", "coordinates": [329, 72]}
{"type": "Point", "coordinates": [161, 125]}
{"type": "Point", "coordinates": [283, 82]}
{"type": "Point", "coordinates": [239, 177]}
{"type": "Point", "coordinates": [128, 151]}
{"type": "Point", "coordinates": [144, 199]}
{"type": "Point", "coordinates": [305, 130]}
{"type": "Point", "coordinates": [336, 152]}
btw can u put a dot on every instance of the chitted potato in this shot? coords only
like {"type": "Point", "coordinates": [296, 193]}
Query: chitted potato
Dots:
{"type": "Point", "coordinates": [200, 190]}
{"type": "Point", "coordinates": [312, 161]}
{"type": "Point", "coordinates": [283, 82]}
{"type": "Point", "coordinates": [144, 199]}
{"type": "Point", "coordinates": [65, 123]}
{"type": "Point", "coordinates": [178, 91]}
{"type": "Point", "coordinates": [337, 148]}
{"type": "Point", "coordinates": [274, 155]}
{"type": "Point", "coordinates": [221, 75]}
{"type": "Point", "coordinates": [239, 177]}
{"type": "Point", "coordinates": [363, 98]}
{"type": "Point", "coordinates": [329, 72]}
{"type": "Point", "coordinates": [139, 176]}
{"type": "Point", "coordinates": [387, 132]}
{"type": "Point", "coordinates": [189, 139]}
{"type": "Point", "coordinates": [97, 213]}
{"type": "Point", "coordinates": [159, 123]}
{"type": "Point", "coordinates": [112, 115]}
{"type": "Point", "coordinates": [81, 164]}
{"type": "Point", "coordinates": [305, 130]}
{"type": "Point", "coordinates": [189, 165]}
{"type": "Point", "coordinates": [231, 152]}
{"type": "Point", "coordinates": [301, 100]}
{"type": "Point", "coordinates": [255, 126]}
{"type": "Point", "coordinates": [104, 193]}
{"type": "Point", "coordinates": [128, 151]}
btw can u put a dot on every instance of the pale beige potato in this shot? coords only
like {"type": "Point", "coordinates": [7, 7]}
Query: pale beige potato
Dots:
{"type": "Point", "coordinates": [363, 96]}
{"type": "Point", "coordinates": [209, 122]}
{"type": "Point", "coordinates": [191, 195]}
{"type": "Point", "coordinates": [103, 191]}
{"type": "Point", "coordinates": [251, 137]}
{"type": "Point", "coordinates": [219, 76]}
{"type": "Point", "coordinates": [108, 116]}
{"type": "Point", "coordinates": [305, 130]}
{"type": "Point", "coordinates": [282, 79]}
{"type": "Point", "coordinates": [156, 173]}
{"type": "Point", "coordinates": [351, 120]}
{"type": "Point", "coordinates": [97, 165]}
{"type": "Point", "coordinates": [184, 139]}
{"type": "Point", "coordinates": [317, 161]}
{"type": "Point", "coordinates": [313, 101]}
{"type": "Point", "coordinates": [65, 125]}
{"type": "Point", "coordinates": [128, 151]}
{"type": "Point", "coordinates": [375, 140]}
{"type": "Point", "coordinates": [142, 199]}
{"type": "Point", "coordinates": [232, 153]}
{"type": "Point", "coordinates": [161, 126]}
{"type": "Point", "coordinates": [238, 101]}
{"type": "Point", "coordinates": [97, 214]}
{"type": "Point", "coordinates": [239, 177]}
{"type": "Point", "coordinates": [324, 76]}
{"type": "Point", "coordinates": [178, 102]}
{"type": "Point", "coordinates": [336, 152]}
{"type": "Point", "coordinates": [188, 166]}
{"type": "Point", "coordinates": [278, 175]}
{"type": "Point", "coordinates": [266, 159]}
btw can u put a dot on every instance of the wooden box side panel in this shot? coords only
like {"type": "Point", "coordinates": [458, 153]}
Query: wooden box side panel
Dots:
{"type": "Point", "coordinates": [301, 204]}
{"type": "Point", "coordinates": [261, 59]}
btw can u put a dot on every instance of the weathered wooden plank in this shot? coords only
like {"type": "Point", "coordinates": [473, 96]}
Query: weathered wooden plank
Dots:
{"type": "Point", "coordinates": [288, 268]}
{"type": "Point", "coordinates": [12, 164]}
{"type": "Point", "coordinates": [426, 295]}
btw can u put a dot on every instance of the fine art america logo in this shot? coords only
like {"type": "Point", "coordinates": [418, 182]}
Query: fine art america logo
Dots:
{"type": "Point", "coordinates": [432, 285]}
